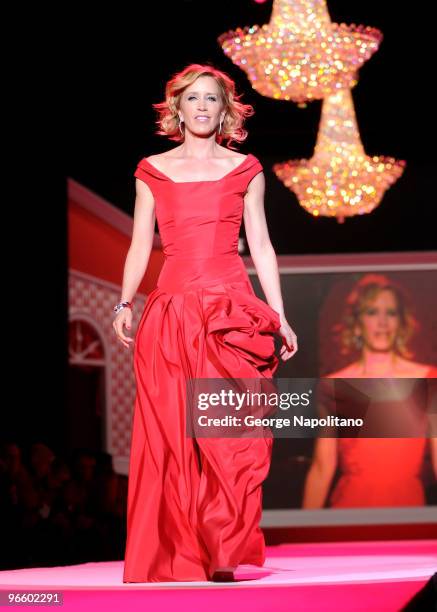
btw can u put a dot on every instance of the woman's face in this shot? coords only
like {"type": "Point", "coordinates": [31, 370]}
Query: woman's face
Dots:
{"type": "Point", "coordinates": [379, 322]}
{"type": "Point", "coordinates": [201, 106]}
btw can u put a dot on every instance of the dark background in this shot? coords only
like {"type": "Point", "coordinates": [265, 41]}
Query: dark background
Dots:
{"type": "Point", "coordinates": [82, 96]}
{"type": "Point", "coordinates": [113, 122]}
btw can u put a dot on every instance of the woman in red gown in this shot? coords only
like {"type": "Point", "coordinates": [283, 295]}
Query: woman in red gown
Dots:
{"type": "Point", "coordinates": [194, 504]}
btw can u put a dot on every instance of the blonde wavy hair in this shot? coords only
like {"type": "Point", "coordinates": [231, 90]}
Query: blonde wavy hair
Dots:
{"type": "Point", "coordinates": [236, 111]}
{"type": "Point", "coordinates": [364, 293]}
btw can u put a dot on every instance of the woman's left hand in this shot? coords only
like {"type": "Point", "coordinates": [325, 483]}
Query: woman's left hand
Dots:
{"type": "Point", "coordinates": [289, 340]}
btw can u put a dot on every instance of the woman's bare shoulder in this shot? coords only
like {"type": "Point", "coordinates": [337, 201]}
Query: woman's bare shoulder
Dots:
{"type": "Point", "coordinates": [239, 157]}
{"type": "Point", "coordinates": [174, 153]}
{"type": "Point", "coordinates": [405, 367]}
{"type": "Point", "coordinates": [414, 369]}
{"type": "Point", "coordinates": [350, 371]}
{"type": "Point", "coordinates": [162, 157]}
{"type": "Point", "coordinates": [225, 153]}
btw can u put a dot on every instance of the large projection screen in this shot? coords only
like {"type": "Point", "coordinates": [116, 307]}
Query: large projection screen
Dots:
{"type": "Point", "coordinates": [316, 291]}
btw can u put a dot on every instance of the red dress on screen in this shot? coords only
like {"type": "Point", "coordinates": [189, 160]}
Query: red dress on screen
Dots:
{"type": "Point", "coordinates": [194, 504]}
{"type": "Point", "coordinates": [378, 472]}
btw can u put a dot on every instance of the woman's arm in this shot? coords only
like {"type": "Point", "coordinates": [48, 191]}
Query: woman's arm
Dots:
{"type": "Point", "coordinates": [264, 257]}
{"type": "Point", "coordinates": [141, 243]}
{"type": "Point", "coordinates": [321, 473]}
{"type": "Point", "coordinates": [137, 257]}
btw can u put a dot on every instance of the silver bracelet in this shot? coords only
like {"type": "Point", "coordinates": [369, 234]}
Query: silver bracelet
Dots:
{"type": "Point", "coordinates": [122, 305]}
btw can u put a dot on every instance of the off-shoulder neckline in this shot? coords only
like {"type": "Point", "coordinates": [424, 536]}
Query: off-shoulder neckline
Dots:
{"type": "Point", "coordinates": [193, 182]}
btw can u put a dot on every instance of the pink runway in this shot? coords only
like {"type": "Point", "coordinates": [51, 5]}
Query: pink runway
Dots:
{"type": "Point", "coordinates": [377, 576]}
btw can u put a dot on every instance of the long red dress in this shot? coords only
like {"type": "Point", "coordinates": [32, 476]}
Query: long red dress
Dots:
{"type": "Point", "coordinates": [194, 505]}
{"type": "Point", "coordinates": [377, 472]}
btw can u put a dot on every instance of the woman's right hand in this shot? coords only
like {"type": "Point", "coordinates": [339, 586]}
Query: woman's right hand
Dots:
{"type": "Point", "coordinates": [289, 340]}
{"type": "Point", "coordinates": [123, 319]}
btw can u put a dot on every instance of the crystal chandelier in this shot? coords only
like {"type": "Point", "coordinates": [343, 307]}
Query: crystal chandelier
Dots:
{"type": "Point", "coordinates": [300, 55]}
{"type": "Point", "coordinates": [340, 180]}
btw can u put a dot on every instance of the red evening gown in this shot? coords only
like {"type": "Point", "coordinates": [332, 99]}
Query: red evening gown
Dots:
{"type": "Point", "coordinates": [377, 472]}
{"type": "Point", "coordinates": [194, 505]}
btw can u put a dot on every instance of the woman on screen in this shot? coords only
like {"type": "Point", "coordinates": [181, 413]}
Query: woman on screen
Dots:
{"type": "Point", "coordinates": [377, 327]}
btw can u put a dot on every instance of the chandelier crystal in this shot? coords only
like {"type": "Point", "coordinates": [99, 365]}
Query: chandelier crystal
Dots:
{"type": "Point", "coordinates": [340, 180]}
{"type": "Point", "coordinates": [300, 55]}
